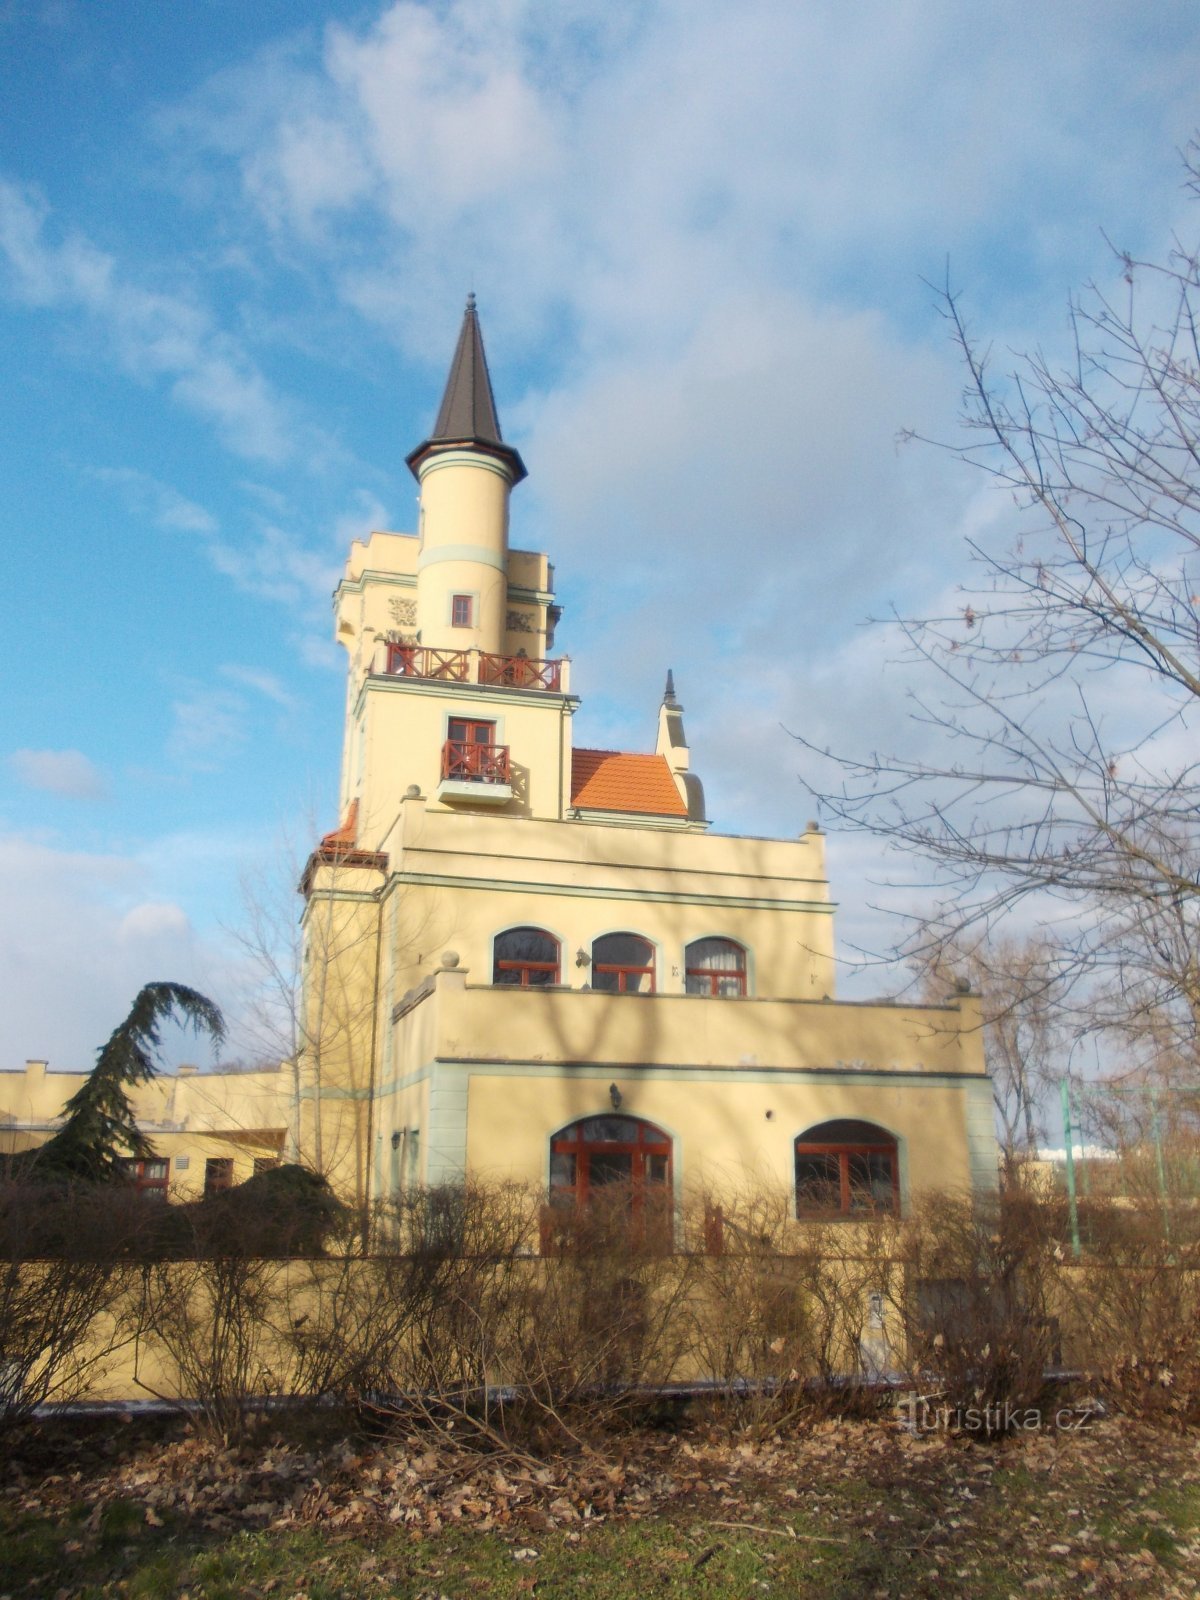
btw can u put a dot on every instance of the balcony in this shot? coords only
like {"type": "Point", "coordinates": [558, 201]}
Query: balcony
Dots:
{"type": "Point", "coordinates": [473, 666]}
{"type": "Point", "coordinates": [476, 772]}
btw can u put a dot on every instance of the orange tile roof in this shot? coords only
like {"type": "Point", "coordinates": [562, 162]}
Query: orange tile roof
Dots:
{"type": "Point", "coordinates": [614, 780]}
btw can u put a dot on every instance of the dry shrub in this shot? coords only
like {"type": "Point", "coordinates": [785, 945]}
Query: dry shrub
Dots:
{"type": "Point", "coordinates": [792, 1320]}
{"type": "Point", "coordinates": [63, 1279]}
{"type": "Point", "coordinates": [461, 1252]}
{"type": "Point", "coordinates": [347, 1324]}
{"type": "Point", "coordinates": [979, 1305]}
{"type": "Point", "coordinates": [211, 1309]}
{"type": "Point", "coordinates": [1132, 1305]}
{"type": "Point", "coordinates": [603, 1316]}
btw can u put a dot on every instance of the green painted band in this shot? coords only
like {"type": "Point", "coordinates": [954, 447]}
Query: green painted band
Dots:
{"type": "Point", "coordinates": [602, 892]}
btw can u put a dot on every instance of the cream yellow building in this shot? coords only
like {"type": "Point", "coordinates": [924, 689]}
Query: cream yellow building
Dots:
{"type": "Point", "coordinates": [534, 960]}
{"type": "Point", "coordinates": [531, 960]}
{"type": "Point", "coordinates": [209, 1129]}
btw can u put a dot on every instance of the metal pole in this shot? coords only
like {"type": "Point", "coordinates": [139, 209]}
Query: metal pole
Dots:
{"type": "Point", "coordinates": [1160, 1165]}
{"type": "Point", "coordinates": [1076, 1244]}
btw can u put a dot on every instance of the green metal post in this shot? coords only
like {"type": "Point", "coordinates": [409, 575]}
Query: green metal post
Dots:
{"type": "Point", "coordinates": [1160, 1164]}
{"type": "Point", "coordinates": [1076, 1243]}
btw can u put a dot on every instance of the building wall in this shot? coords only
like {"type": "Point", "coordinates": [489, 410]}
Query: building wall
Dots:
{"type": "Point", "coordinates": [734, 1082]}
{"type": "Point", "coordinates": [458, 881]}
{"type": "Point", "coordinates": [189, 1116]}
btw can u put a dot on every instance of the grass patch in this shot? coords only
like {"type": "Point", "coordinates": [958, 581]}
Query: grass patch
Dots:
{"type": "Point", "coordinates": [855, 1512]}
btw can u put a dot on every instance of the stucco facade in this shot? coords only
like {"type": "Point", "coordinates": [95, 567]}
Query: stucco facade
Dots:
{"type": "Point", "coordinates": [470, 817]}
{"type": "Point", "coordinates": [528, 960]}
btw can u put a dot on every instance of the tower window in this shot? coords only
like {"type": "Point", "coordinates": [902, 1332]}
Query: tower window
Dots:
{"type": "Point", "coordinates": [462, 611]}
{"type": "Point", "coordinates": [716, 967]}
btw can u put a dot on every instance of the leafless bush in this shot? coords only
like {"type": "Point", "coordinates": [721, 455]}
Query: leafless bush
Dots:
{"type": "Point", "coordinates": [210, 1316]}
{"type": "Point", "coordinates": [980, 1302]}
{"type": "Point", "coordinates": [1132, 1305]}
{"type": "Point", "coordinates": [460, 1252]}
{"type": "Point", "coordinates": [790, 1318]}
{"type": "Point", "coordinates": [604, 1314]}
{"type": "Point", "coordinates": [62, 1281]}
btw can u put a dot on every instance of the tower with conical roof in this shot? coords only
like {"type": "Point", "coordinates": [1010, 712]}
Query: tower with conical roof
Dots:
{"type": "Point", "coordinates": [466, 473]}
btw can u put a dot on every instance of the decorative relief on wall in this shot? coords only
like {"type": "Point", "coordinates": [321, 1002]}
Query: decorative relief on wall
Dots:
{"type": "Point", "coordinates": [404, 612]}
{"type": "Point", "coordinates": [519, 622]}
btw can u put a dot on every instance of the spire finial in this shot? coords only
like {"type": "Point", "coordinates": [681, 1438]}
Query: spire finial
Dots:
{"type": "Point", "coordinates": [669, 694]}
{"type": "Point", "coordinates": [467, 416]}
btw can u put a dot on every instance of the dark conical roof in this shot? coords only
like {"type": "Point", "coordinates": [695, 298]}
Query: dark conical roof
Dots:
{"type": "Point", "coordinates": [467, 415]}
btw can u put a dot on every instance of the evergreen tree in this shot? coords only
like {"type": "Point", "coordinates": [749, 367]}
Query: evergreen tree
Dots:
{"type": "Point", "coordinates": [100, 1128]}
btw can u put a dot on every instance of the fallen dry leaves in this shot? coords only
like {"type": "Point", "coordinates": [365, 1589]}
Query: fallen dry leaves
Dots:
{"type": "Point", "coordinates": [941, 1501]}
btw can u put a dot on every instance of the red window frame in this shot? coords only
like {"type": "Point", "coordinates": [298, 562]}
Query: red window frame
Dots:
{"type": "Point", "coordinates": [470, 730]}
{"type": "Point", "coordinates": [150, 1176]}
{"type": "Point", "coordinates": [462, 611]}
{"type": "Point", "coordinates": [650, 1175]}
{"type": "Point", "coordinates": [845, 1152]}
{"type": "Point", "coordinates": [218, 1174]}
{"type": "Point", "coordinates": [714, 977]}
{"type": "Point", "coordinates": [623, 971]}
{"type": "Point", "coordinates": [525, 967]}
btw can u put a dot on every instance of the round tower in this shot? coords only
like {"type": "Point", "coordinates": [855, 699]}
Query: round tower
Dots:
{"type": "Point", "coordinates": [466, 473]}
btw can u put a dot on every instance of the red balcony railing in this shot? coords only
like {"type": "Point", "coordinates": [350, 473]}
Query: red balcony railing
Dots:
{"type": "Point", "coordinates": [520, 672]}
{"type": "Point", "coordinates": [416, 661]}
{"type": "Point", "coordinates": [464, 759]}
{"type": "Point", "coordinates": [454, 666]}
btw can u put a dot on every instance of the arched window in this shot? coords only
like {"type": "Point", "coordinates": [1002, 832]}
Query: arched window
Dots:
{"type": "Point", "coordinates": [623, 963]}
{"type": "Point", "coordinates": [527, 957]}
{"type": "Point", "coordinates": [846, 1169]}
{"type": "Point", "coordinates": [715, 966]}
{"type": "Point", "coordinates": [623, 1160]}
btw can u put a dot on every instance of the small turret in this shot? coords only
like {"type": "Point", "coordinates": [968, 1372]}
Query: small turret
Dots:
{"type": "Point", "coordinates": [466, 473]}
{"type": "Point", "coordinates": [672, 745]}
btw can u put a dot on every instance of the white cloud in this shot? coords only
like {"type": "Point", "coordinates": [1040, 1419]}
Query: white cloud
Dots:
{"type": "Point", "coordinates": [165, 506]}
{"type": "Point", "coordinates": [65, 772]}
{"type": "Point", "coordinates": [263, 683]}
{"type": "Point", "coordinates": [277, 567]}
{"type": "Point", "coordinates": [209, 724]}
{"type": "Point", "coordinates": [155, 335]}
{"type": "Point", "coordinates": [77, 942]}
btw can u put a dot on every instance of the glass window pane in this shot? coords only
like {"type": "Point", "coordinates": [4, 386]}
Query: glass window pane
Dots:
{"type": "Point", "coordinates": [656, 1169]}
{"type": "Point", "coordinates": [710, 955]}
{"type": "Point", "coordinates": [818, 1182]}
{"type": "Point", "coordinates": [610, 1130]}
{"type": "Point", "coordinates": [526, 944]}
{"type": "Point", "coordinates": [871, 1181]}
{"type": "Point", "coordinates": [696, 985]}
{"type": "Point", "coordinates": [609, 1166]}
{"type": "Point", "coordinates": [623, 950]}
{"type": "Point", "coordinates": [562, 1170]}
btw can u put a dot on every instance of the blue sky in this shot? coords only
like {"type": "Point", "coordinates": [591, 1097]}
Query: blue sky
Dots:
{"type": "Point", "coordinates": [234, 245]}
